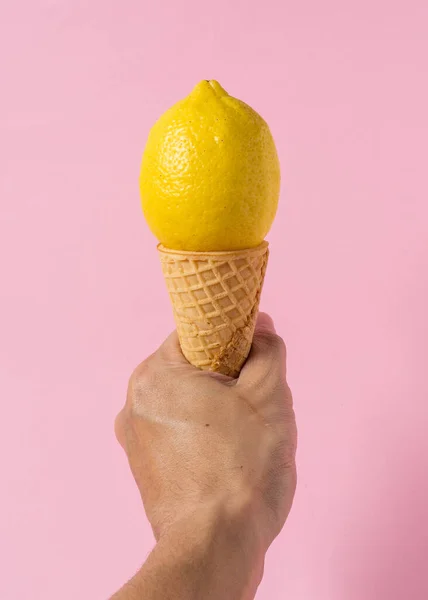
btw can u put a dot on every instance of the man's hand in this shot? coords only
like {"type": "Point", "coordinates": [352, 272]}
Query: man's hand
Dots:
{"type": "Point", "coordinates": [214, 460]}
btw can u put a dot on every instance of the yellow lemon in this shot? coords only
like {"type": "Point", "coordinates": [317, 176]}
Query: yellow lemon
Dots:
{"type": "Point", "coordinates": [210, 174]}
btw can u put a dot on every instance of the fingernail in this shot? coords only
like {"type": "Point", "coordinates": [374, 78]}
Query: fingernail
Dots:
{"type": "Point", "coordinates": [265, 321]}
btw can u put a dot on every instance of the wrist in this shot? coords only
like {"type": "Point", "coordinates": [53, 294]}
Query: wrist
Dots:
{"type": "Point", "coordinates": [218, 540]}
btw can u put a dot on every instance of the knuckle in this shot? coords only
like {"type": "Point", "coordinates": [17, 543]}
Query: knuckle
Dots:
{"type": "Point", "coordinates": [270, 341]}
{"type": "Point", "coordinates": [140, 377]}
{"type": "Point", "coordinates": [147, 385]}
{"type": "Point", "coordinates": [140, 383]}
{"type": "Point", "coordinates": [120, 427]}
{"type": "Point", "coordinates": [277, 342]}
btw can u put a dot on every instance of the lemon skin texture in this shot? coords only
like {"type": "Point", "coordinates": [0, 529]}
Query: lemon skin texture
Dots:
{"type": "Point", "coordinates": [210, 175]}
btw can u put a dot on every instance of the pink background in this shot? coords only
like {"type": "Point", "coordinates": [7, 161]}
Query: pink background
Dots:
{"type": "Point", "coordinates": [344, 88]}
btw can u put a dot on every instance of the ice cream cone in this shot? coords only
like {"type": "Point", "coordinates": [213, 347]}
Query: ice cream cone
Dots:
{"type": "Point", "coordinates": [215, 298]}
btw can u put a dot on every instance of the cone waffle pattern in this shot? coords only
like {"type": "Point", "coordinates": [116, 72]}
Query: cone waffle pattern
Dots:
{"type": "Point", "coordinates": [215, 298]}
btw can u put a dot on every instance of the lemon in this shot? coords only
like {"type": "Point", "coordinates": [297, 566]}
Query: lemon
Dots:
{"type": "Point", "coordinates": [210, 174]}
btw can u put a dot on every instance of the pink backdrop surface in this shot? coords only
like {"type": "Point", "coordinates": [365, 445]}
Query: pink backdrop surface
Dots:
{"type": "Point", "coordinates": [344, 88]}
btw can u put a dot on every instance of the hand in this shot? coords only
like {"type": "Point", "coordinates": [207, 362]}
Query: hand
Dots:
{"type": "Point", "coordinates": [195, 438]}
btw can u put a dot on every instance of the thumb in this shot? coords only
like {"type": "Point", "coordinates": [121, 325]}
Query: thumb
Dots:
{"type": "Point", "coordinates": [267, 355]}
{"type": "Point", "coordinates": [265, 323]}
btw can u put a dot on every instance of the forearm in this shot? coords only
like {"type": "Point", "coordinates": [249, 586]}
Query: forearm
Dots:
{"type": "Point", "coordinates": [210, 556]}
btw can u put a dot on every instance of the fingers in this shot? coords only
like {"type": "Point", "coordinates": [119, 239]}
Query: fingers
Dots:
{"type": "Point", "coordinates": [265, 323]}
{"type": "Point", "coordinates": [167, 356]}
{"type": "Point", "coordinates": [170, 351]}
{"type": "Point", "coordinates": [266, 363]}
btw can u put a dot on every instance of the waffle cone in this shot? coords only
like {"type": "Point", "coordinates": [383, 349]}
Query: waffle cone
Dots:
{"type": "Point", "coordinates": [215, 298]}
